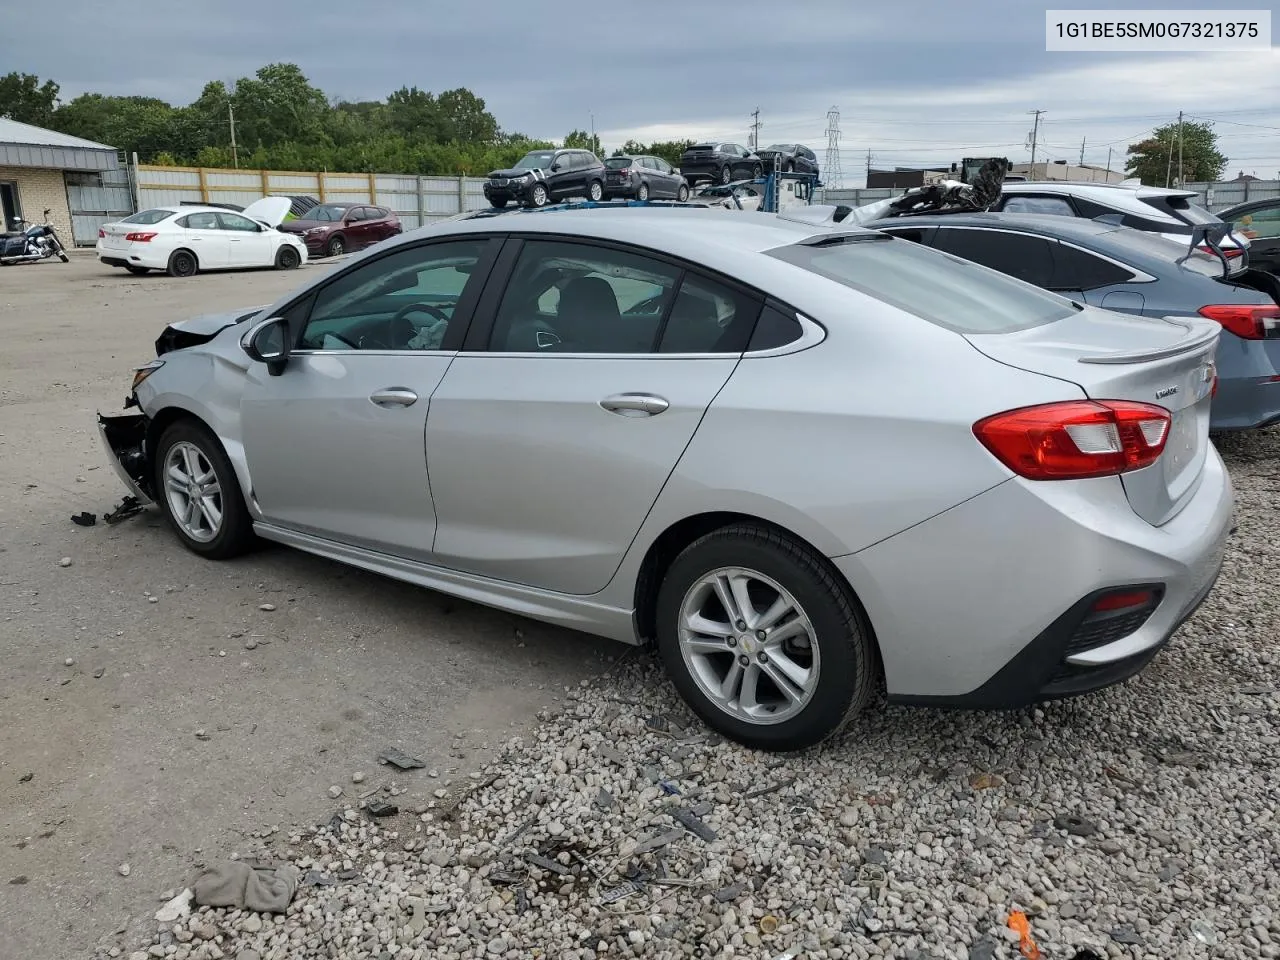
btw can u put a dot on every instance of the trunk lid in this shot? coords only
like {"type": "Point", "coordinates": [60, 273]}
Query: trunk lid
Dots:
{"type": "Point", "coordinates": [1167, 362]}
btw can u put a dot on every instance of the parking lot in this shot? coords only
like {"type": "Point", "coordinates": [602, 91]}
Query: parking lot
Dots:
{"type": "Point", "coordinates": [161, 711]}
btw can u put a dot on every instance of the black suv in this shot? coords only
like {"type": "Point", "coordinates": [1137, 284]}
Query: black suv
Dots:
{"type": "Point", "coordinates": [545, 175]}
{"type": "Point", "coordinates": [790, 157]}
{"type": "Point", "coordinates": [719, 162]}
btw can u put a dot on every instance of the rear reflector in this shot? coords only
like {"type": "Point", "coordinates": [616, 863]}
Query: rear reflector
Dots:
{"type": "Point", "coordinates": [139, 237]}
{"type": "Point", "coordinates": [1247, 321]}
{"type": "Point", "coordinates": [1123, 600]}
{"type": "Point", "coordinates": [1077, 439]}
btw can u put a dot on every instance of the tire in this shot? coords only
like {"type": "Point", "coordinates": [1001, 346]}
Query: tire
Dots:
{"type": "Point", "coordinates": [726, 174]}
{"type": "Point", "coordinates": [788, 167]}
{"type": "Point", "coordinates": [63, 257]}
{"type": "Point", "coordinates": [757, 171]}
{"type": "Point", "coordinates": [287, 258]}
{"type": "Point", "coordinates": [538, 196]}
{"type": "Point", "coordinates": [192, 447]}
{"type": "Point", "coordinates": [498, 204]}
{"type": "Point", "coordinates": [595, 191]}
{"type": "Point", "coordinates": [839, 640]}
{"type": "Point", "coordinates": [337, 246]}
{"type": "Point", "coordinates": [682, 194]}
{"type": "Point", "coordinates": [643, 192]}
{"type": "Point", "coordinates": [135, 270]}
{"type": "Point", "coordinates": [183, 263]}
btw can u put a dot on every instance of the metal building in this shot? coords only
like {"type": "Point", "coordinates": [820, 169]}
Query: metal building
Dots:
{"type": "Point", "coordinates": [80, 182]}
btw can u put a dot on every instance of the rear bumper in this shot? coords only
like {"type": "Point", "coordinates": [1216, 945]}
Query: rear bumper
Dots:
{"type": "Point", "coordinates": [1247, 397]}
{"type": "Point", "coordinates": [131, 256]}
{"type": "Point", "coordinates": [981, 607]}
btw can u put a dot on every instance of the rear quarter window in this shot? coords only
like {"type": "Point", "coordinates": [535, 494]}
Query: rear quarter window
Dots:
{"type": "Point", "coordinates": [940, 288]}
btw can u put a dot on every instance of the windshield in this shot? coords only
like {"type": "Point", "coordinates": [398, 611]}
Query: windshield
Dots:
{"type": "Point", "coordinates": [538, 160]}
{"type": "Point", "coordinates": [149, 216]}
{"type": "Point", "coordinates": [618, 163]}
{"type": "Point", "coordinates": [935, 286]}
{"type": "Point", "coordinates": [325, 212]}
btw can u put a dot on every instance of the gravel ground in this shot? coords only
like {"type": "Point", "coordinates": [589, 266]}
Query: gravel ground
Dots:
{"type": "Point", "coordinates": [1137, 822]}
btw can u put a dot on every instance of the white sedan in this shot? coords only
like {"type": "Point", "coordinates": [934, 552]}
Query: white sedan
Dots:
{"type": "Point", "coordinates": [184, 240]}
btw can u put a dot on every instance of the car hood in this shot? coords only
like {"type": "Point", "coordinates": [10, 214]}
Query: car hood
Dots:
{"type": "Point", "coordinates": [508, 174]}
{"type": "Point", "coordinates": [270, 210]}
{"type": "Point", "coordinates": [301, 226]}
{"type": "Point", "coordinates": [202, 328]}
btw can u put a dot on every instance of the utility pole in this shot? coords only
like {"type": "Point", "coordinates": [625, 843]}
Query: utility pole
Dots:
{"type": "Point", "coordinates": [1035, 139]}
{"type": "Point", "coordinates": [1082, 139]}
{"type": "Point", "coordinates": [1179, 149]}
{"type": "Point", "coordinates": [755, 129]}
{"type": "Point", "coordinates": [231, 117]}
{"type": "Point", "coordinates": [868, 163]}
{"type": "Point", "coordinates": [1168, 165]}
{"type": "Point", "coordinates": [1109, 149]}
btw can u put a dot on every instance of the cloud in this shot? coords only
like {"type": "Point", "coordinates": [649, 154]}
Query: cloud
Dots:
{"type": "Point", "coordinates": [917, 81]}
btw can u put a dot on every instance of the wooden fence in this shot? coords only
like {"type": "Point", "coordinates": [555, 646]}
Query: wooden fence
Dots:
{"type": "Point", "coordinates": [416, 200]}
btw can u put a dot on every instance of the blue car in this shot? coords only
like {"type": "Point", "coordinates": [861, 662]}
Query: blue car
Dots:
{"type": "Point", "coordinates": [1131, 271]}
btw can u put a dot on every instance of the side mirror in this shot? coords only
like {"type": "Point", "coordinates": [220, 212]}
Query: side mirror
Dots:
{"type": "Point", "coordinates": [268, 342]}
{"type": "Point", "coordinates": [555, 168]}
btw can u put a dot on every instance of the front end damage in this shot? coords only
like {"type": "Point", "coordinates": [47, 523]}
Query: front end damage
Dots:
{"type": "Point", "coordinates": [125, 438]}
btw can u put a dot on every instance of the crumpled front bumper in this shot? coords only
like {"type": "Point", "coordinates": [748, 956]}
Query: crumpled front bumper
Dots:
{"type": "Point", "coordinates": [125, 437]}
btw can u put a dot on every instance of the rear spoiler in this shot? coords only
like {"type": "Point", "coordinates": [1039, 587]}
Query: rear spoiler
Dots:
{"type": "Point", "coordinates": [1211, 235]}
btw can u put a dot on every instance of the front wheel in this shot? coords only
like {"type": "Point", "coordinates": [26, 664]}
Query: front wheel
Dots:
{"type": "Point", "coordinates": [498, 204]}
{"type": "Point", "coordinates": [762, 640]}
{"type": "Point", "coordinates": [757, 171]}
{"type": "Point", "coordinates": [538, 196]}
{"type": "Point", "coordinates": [683, 193]}
{"type": "Point", "coordinates": [199, 492]}
{"type": "Point", "coordinates": [288, 258]}
{"type": "Point", "coordinates": [337, 247]}
{"type": "Point", "coordinates": [595, 191]}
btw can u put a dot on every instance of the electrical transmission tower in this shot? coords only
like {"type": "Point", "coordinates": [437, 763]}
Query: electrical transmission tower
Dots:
{"type": "Point", "coordinates": [832, 177]}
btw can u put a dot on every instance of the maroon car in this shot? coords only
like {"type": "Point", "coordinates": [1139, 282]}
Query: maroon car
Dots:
{"type": "Point", "coordinates": [331, 229]}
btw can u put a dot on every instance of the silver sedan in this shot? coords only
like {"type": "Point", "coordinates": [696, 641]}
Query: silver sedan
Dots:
{"type": "Point", "coordinates": [804, 461]}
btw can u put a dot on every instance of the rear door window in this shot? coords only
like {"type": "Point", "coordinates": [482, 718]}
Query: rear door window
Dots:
{"type": "Point", "coordinates": [1077, 269]}
{"type": "Point", "coordinates": [1025, 257]}
{"type": "Point", "coordinates": [940, 288]}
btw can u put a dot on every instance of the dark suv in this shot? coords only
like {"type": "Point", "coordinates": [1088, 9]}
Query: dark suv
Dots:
{"type": "Point", "coordinates": [790, 157]}
{"type": "Point", "coordinates": [545, 175]}
{"type": "Point", "coordinates": [720, 163]}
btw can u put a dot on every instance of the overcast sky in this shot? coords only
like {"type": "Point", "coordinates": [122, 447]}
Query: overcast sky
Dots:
{"type": "Point", "coordinates": [916, 82]}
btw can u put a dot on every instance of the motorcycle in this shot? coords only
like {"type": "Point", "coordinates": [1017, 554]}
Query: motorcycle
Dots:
{"type": "Point", "coordinates": [31, 243]}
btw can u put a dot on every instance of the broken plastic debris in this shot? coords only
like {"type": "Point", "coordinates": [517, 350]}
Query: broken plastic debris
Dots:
{"type": "Point", "coordinates": [1204, 931]}
{"type": "Point", "coordinates": [175, 909]}
{"type": "Point", "coordinates": [129, 507]}
{"type": "Point", "coordinates": [691, 822]}
{"type": "Point", "coordinates": [542, 863]}
{"type": "Point", "coordinates": [399, 759]}
{"type": "Point", "coordinates": [789, 954]}
{"type": "Point", "coordinates": [659, 841]}
{"type": "Point", "coordinates": [620, 892]}
{"type": "Point", "coordinates": [604, 799]}
{"type": "Point", "coordinates": [1075, 825]}
{"type": "Point", "coordinates": [1019, 924]}
{"type": "Point", "coordinates": [84, 519]}
{"type": "Point", "coordinates": [381, 808]}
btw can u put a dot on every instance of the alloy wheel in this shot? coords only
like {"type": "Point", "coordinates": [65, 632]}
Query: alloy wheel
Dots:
{"type": "Point", "coordinates": [193, 491]}
{"type": "Point", "coordinates": [748, 645]}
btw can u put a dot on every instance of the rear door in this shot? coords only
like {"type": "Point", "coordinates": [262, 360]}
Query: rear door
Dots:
{"type": "Point", "coordinates": [554, 432]}
{"type": "Point", "coordinates": [203, 234]}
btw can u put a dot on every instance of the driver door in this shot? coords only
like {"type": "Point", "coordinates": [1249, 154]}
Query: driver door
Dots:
{"type": "Point", "coordinates": [335, 444]}
{"type": "Point", "coordinates": [248, 242]}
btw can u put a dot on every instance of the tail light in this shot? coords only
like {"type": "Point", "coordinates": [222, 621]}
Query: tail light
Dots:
{"type": "Point", "coordinates": [1247, 321]}
{"type": "Point", "coordinates": [139, 237]}
{"type": "Point", "coordinates": [1077, 439]}
{"type": "Point", "coordinates": [1231, 253]}
{"type": "Point", "coordinates": [101, 233]}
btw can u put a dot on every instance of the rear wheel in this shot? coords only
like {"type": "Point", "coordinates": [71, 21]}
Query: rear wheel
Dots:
{"type": "Point", "coordinates": [643, 192]}
{"type": "Point", "coordinates": [199, 492]}
{"type": "Point", "coordinates": [595, 191]}
{"type": "Point", "coordinates": [136, 270]}
{"type": "Point", "coordinates": [337, 246]}
{"type": "Point", "coordinates": [182, 263]}
{"type": "Point", "coordinates": [63, 257]}
{"type": "Point", "coordinates": [287, 258]}
{"type": "Point", "coordinates": [726, 174]}
{"type": "Point", "coordinates": [683, 193]}
{"type": "Point", "coordinates": [761, 639]}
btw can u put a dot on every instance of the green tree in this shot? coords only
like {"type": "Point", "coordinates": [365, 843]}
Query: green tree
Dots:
{"type": "Point", "coordinates": [581, 140]}
{"type": "Point", "coordinates": [464, 119]}
{"type": "Point", "coordinates": [279, 104]}
{"type": "Point", "coordinates": [1155, 159]}
{"type": "Point", "coordinates": [668, 150]}
{"type": "Point", "coordinates": [25, 99]}
{"type": "Point", "coordinates": [142, 124]}
{"type": "Point", "coordinates": [414, 113]}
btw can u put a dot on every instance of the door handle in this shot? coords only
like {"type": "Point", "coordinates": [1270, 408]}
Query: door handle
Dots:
{"type": "Point", "coordinates": [634, 404]}
{"type": "Point", "coordinates": [394, 397]}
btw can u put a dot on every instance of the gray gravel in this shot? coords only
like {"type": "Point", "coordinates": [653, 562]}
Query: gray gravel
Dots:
{"type": "Point", "coordinates": [1138, 822]}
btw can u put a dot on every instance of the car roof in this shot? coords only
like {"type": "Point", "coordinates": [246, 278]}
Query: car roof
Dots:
{"type": "Point", "coordinates": [1085, 187]}
{"type": "Point", "coordinates": [1045, 224]}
